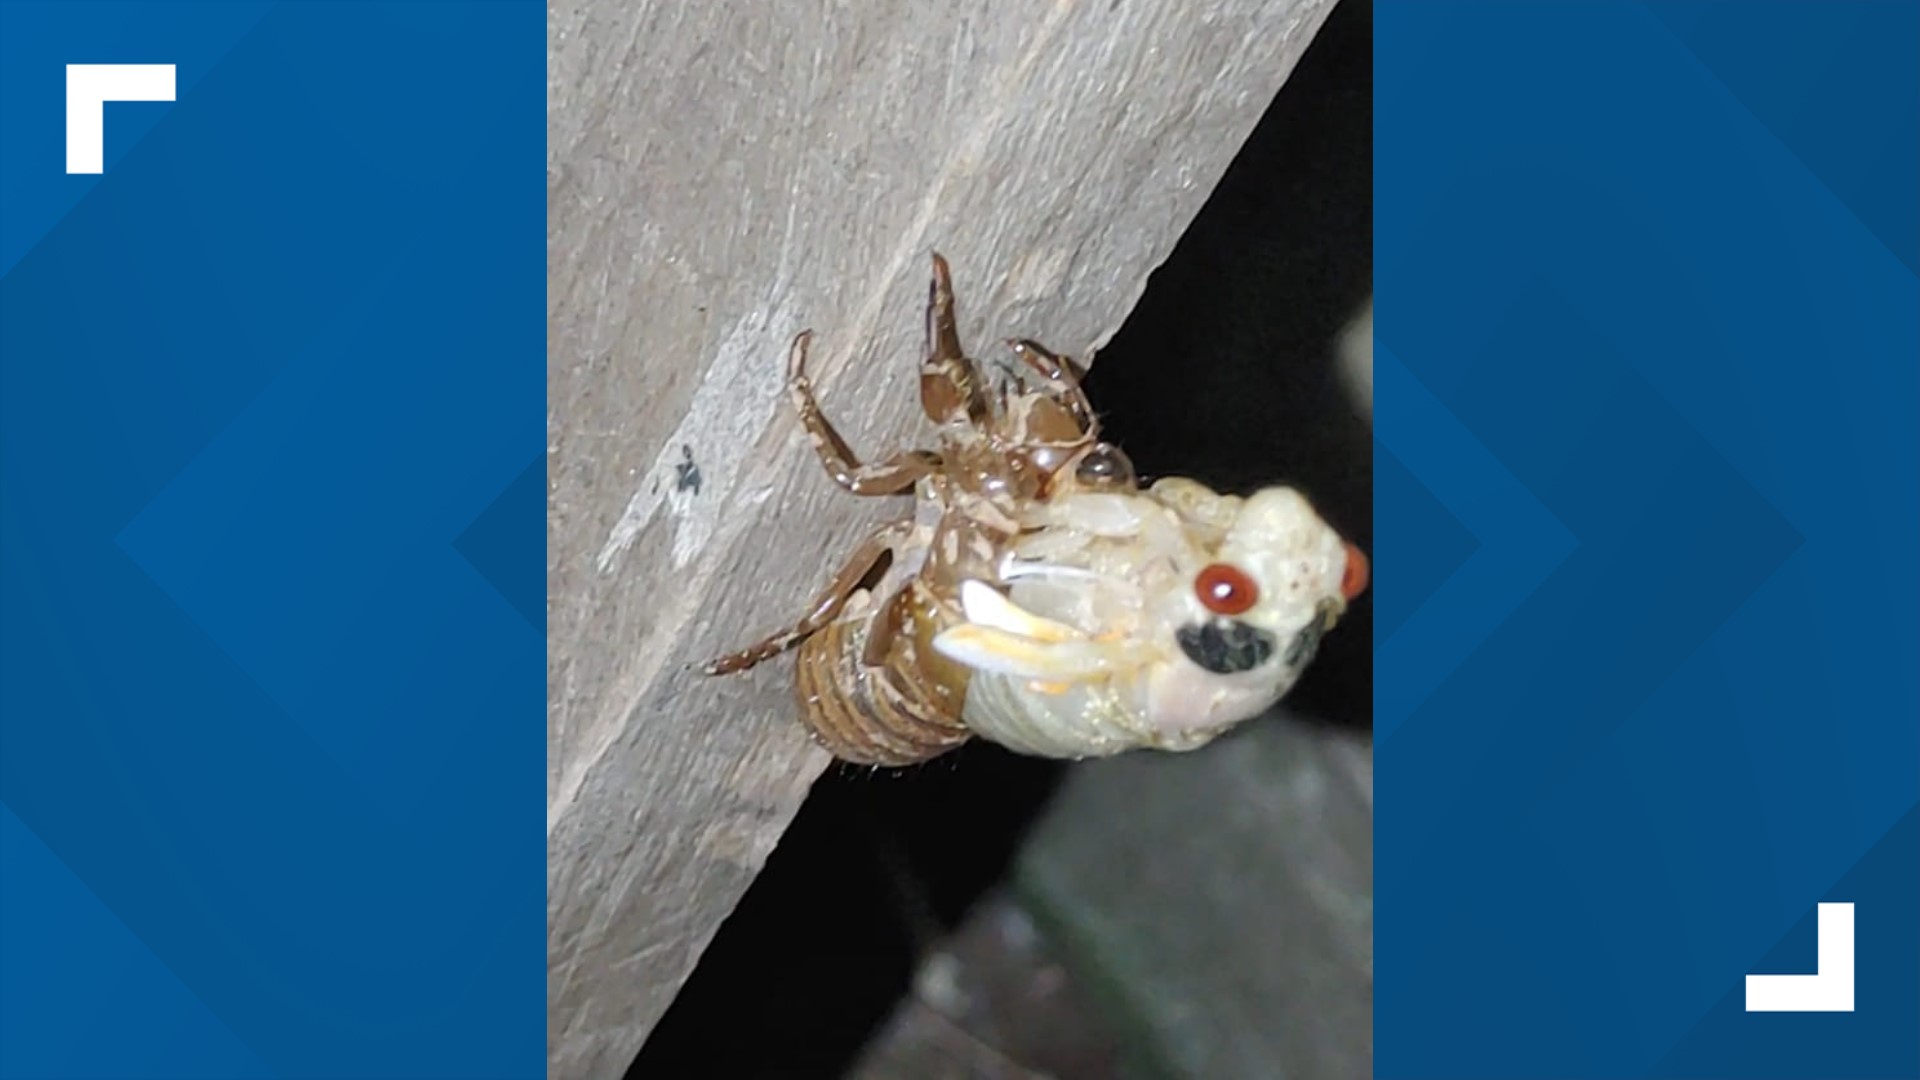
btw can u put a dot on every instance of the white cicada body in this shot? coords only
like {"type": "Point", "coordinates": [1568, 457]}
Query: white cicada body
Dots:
{"type": "Point", "coordinates": [1159, 618]}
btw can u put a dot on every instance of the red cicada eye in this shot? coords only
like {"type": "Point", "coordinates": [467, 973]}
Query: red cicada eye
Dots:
{"type": "Point", "coordinates": [1353, 581]}
{"type": "Point", "coordinates": [1226, 590]}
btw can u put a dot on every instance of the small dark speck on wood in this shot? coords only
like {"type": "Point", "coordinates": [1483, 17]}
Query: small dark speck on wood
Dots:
{"type": "Point", "coordinates": [686, 474]}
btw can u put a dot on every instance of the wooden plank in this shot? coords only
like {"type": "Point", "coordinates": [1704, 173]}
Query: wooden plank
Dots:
{"type": "Point", "coordinates": [720, 176]}
{"type": "Point", "coordinates": [992, 1002]}
{"type": "Point", "coordinates": [1231, 921]}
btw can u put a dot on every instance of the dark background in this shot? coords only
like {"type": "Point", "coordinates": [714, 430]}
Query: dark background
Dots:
{"type": "Point", "coordinates": [1224, 373]}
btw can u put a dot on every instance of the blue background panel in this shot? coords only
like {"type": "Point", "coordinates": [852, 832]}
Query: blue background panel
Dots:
{"type": "Point", "coordinates": [1648, 426]}
{"type": "Point", "coordinates": [272, 543]}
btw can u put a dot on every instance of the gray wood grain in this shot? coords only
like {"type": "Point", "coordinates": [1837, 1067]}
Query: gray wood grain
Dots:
{"type": "Point", "coordinates": [720, 176]}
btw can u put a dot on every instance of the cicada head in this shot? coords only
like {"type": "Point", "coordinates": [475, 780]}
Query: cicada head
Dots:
{"type": "Point", "coordinates": [1264, 579]}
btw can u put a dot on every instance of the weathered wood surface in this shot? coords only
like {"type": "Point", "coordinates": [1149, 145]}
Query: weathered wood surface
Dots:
{"type": "Point", "coordinates": [1231, 921]}
{"type": "Point", "coordinates": [720, 176]}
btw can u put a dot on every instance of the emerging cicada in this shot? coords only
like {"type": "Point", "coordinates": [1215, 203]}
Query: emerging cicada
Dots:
{"type": "Point", "coordinates": [1039, 597]}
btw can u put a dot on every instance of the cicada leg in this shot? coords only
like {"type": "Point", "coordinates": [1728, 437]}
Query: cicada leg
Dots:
{"type": "Point", "coordinates": [950, 385]}
{"type": "Point", "coordinates": [1000, 636]}
{"type": "Point", "coordinates": [1062, 379]}
{"type": "Point", "coordinates": [860, 571]}
{"type": "Point", "coordinates": [891, 477]}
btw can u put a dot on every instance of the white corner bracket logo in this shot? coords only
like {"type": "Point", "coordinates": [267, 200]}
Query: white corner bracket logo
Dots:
{"type": "Point", "coordinates": [89, 88]}
{"type": "Point", "coordinates": [1829, 988]}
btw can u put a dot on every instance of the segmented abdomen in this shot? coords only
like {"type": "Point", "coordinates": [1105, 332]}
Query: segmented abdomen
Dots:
{"type": "Point", "coordinates": [902, 712]}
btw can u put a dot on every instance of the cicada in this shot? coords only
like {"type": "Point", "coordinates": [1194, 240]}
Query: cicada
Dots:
{"type": "Point", "coordinates": [1038, 595]}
